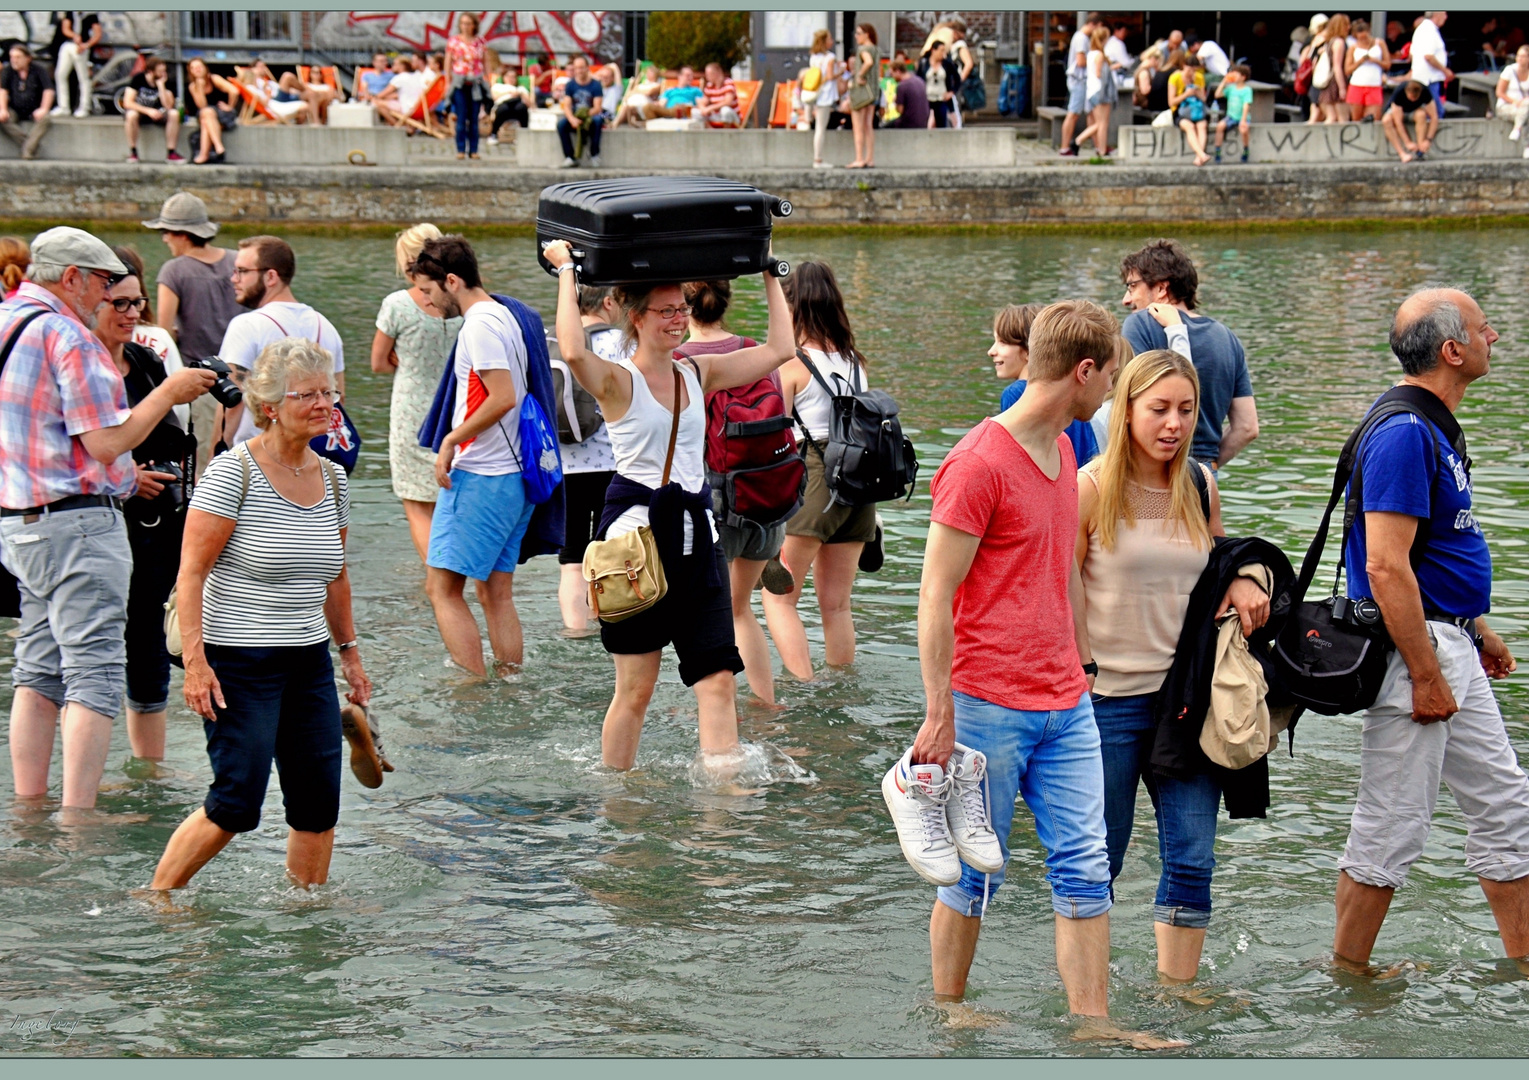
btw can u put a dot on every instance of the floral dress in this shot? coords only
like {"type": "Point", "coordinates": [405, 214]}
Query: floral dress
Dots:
{"type": "Point", "coordinates": [422, 342]}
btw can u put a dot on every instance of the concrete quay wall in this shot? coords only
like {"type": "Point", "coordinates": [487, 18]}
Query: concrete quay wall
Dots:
{"type": "Point", "coordinates": [1049, 195]}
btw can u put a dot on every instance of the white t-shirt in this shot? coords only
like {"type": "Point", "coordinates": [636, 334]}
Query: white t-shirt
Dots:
{"type": "Point", "coordinates": [594, 454]}
{"type": "Point", "coordinates": [1079, 44]}
{"type": "Point", "coordinates": [269, 584]}
{"type": "Point", "coordinates": [249, 333]}
{"type": "Point", "coordinates": [159, 342]}
{"type": "Point", "coordinates": [1117, 53]}
{"type": "Point", "coordinates": [1368, 72]}
{"type": "Point", "coordinates": [828, 89]}
{"type": "Point", "coordinates": [1518, 89]}
{"type": "Point", "coordinates": [1427, 41]}
{"type": "Point", "coordinates": [490, 340]}
{"type": "Point", "coordinates": [1213, 57]}
{"type": "Point", "coordinates": [1097, 71]}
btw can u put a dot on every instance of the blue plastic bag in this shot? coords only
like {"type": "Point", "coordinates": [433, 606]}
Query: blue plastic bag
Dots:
{"type": "Point", "coordinates": [541, 464]}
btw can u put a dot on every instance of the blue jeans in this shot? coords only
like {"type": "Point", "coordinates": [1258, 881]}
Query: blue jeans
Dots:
{"type": "Point", "coordinates": [591, 124]}
{"type": "Point", "coordinates": [1052, 759]}
{"type": "Point", "coordinates": [1186, 810]}
{"type": "Point", "coordinates": [466, 110]}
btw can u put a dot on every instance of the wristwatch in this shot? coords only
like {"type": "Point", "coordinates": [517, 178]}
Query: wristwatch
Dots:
{"type": "Point", "coordinates": [1091, 668]}
{"type": "Point", "coordinates": [346, 646]}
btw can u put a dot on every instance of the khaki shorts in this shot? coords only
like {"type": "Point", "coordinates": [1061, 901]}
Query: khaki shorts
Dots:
{"type": "Point", "coordinates": [1402, 762]}
{"type": "Point", "coordinates": [830, 523]}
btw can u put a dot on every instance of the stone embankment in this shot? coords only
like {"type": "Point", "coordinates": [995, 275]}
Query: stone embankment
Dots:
{"type": "Point", "coordinates": [1112, 195]}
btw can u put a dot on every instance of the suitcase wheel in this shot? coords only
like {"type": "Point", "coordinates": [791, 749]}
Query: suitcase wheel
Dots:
{"type": "Point", "coordinates": [783, 208]}
{"type": "Point", "coordinates": [781, 269]}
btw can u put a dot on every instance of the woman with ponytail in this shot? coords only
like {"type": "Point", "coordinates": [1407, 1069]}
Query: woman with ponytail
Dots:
{"type": "Point", "coordinates": [1147, 516]}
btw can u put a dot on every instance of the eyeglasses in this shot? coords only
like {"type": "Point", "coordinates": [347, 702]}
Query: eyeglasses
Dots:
{"type": "Point", "coordinates": [137, 303]}
{"type": "Point", "coordinates": [107, 278]}
{"type": "Point", "coordinates": [1134, 282]}
{"type": "Point", "coordinates": [308, 397]}
{"type": "Point", "coordinates": [671, 312]}
{"type": "Point", "coordinates": [247, 270]}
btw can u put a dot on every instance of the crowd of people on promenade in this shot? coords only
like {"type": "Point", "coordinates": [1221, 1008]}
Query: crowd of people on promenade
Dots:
{"type": "Point", "coordinates": [1076, 543]}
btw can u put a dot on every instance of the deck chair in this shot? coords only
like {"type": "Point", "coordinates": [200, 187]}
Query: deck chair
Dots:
{"type": "Point", "coordinates": [253, 111]}
{"type": "Point", "coordinates": [355, 86]}
{"type": "Point", "coordinates": [780, 104]}
{"type": "Point", "coordinates": [325, 76]}
{"type": "Point", "coordinates": [748, 98]}
{"type": "Point", "coordinates": [423, 116]}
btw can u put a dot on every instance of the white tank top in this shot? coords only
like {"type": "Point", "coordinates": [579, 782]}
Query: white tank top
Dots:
{"type": "Point", "coordinates": [1368, 72]}
{"type": "Point", "coordinates": [1518, 89]}
{"type": "Point", "coordinates": [640, 440]}
{"type": "Point", "coordinates": [812, 403]}
{"type": "Point", "coordinates": [1094, 78]}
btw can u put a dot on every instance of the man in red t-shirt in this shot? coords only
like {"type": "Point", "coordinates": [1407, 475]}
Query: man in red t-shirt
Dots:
{"type": "Point", "coordinates": [999, 620]}
{"type": "Point", "coordinates": [721, 98]}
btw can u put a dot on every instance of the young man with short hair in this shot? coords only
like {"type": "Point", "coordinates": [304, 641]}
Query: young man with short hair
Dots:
{"type": "Point", "coordinates": [149, 100]}
{"type": "Point", "coordinates": [262, 278]}
{"type": "Point", "coordinates": [719, 97]}
{"type": "Point", "coordinates": [1411, 100]}
{"type": "Point", "coordinates": [684, 96]}
{"type": "Point", "coordinates": [483, 512]}
{"type": "Point", "coordinates": [999, 626]}
{"type": "Point", "coordinates": [1076, 68]}
{"type": "Point", "coordinates": [582, 99]}
{"type": "Point", "coordinates": [26, 95]}
{"type": "Point", "coordinates": [911, 97]}
{"type": "Point", "coordinates": [375, 81]}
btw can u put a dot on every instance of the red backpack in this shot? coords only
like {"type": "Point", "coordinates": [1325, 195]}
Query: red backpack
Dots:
{"type": "Point", "coordinates": [752, 460]}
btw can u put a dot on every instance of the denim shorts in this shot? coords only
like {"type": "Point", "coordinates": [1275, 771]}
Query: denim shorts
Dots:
{"type": "Point", "coordinates": [1186, 810]}
{"type": "Point", "coordinates": [1077, 94]}
{"type": "Point", "coordinates": [478, 524]}
{"type": "Point", "coordinates": [282, 705]}
{"type": "Point", "coordinates": [1052, 759]}
{"type": "Point", "coordinates": [73, 569]}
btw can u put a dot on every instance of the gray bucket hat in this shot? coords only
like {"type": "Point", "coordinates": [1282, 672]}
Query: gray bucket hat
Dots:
{"type": "Point", "coordinates": [184, 212]}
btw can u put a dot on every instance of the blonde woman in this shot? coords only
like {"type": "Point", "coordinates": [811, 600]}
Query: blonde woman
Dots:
{"type": "Point", "coordinates": [411, 344]}
{"type": "Point", "coordinates": [1143, 541]}
{"type": "Point", "coordinates": [262, 590]}
{"type": "Point", "coordinates": [1100, 91]}
{"type": "Point", "coordinates": [823, 105]}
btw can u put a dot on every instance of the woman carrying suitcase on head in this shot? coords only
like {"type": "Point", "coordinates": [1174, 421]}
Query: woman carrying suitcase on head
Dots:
{"type": "Point", "coordinates": [639, 397]}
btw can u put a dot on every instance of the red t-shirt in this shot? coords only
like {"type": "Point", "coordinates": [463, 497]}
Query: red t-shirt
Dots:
{"type": "Point", "coordinates": [726, 94]}
{"type": "Point", "coordinates": [1014, 631]}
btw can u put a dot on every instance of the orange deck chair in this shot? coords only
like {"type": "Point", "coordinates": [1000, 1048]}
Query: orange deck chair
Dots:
{"type": "Point", "coordinates": [780, 104]}
{"type": "Point", "coordinates": [423, 116]}
{"type": "Point", "coordinates": [253, 111]}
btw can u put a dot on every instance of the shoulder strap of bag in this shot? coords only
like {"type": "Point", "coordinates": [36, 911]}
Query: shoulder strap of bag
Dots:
{"type": "Point", "coordinates": [10, 342]}
{"type": "Point", "coordinates": [245, 461]}
{"type": "Point", "coordinates": [1197, 474]}
{"type": "Point", "coordinates": [674, 428]}
{"type": "Point", "coordinates": [801, 354]}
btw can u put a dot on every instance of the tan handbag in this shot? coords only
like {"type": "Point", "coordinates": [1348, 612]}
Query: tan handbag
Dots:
{"type": "Point", "coordinates": [625, 574]}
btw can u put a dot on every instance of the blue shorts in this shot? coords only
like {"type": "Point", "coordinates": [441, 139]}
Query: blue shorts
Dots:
{"type": "Point", "coordinates": [1077, 95]}
{"type": "Point", "coordinates": [479, 523]}
{"type": "Point", "coordinates": [1053, 760]}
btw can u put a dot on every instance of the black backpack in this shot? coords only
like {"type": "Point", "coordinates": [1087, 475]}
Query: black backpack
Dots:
{"type": "Point", "coordinates": [10, 591]}
{"type": "Point", "coordinates": [578, 413]}
{"type": "Point", "coordinates": [1331, 655]}
{"type": "Point", "coordinates": [866, 459]}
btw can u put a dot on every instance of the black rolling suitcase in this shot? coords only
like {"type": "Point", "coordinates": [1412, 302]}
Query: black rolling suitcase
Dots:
{"type": "Point", "coordinates": [644, 229]}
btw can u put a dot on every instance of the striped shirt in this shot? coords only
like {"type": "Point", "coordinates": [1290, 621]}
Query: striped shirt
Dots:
{"type": "Point", "coordinates": [59, 383]}
{"type": "Point", "coordinates": [726, 94]}
{"type": "Point", "coordinates": [268, 587]}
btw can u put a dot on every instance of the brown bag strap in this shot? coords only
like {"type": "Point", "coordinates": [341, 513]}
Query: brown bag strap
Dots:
{"type": "Point", "coordinates": [674, 429]}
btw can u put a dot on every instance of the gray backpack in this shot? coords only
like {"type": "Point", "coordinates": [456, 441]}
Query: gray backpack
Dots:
{"type": "Point", "coordinates": [578, 413]}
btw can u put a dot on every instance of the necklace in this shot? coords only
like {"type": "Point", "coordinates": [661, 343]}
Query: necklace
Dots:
{"type": "Point", "coordinates": [295, 470]}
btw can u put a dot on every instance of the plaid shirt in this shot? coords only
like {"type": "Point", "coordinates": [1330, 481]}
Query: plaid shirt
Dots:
{"type": "Point", "coordinates": [58, 383]}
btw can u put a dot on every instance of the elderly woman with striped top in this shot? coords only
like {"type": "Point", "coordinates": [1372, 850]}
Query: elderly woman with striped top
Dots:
{"type": "Point", "coordinates": [262, 588]}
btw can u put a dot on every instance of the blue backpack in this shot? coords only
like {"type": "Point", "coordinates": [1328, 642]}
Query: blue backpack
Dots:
{"type": "Point", "coordinates": [541, 466]}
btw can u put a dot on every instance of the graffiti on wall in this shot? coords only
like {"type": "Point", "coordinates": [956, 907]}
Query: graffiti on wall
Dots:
{"type": "Point", "coordinates": [1331, 143]}
{"type": "Point", "coordinates": [596, 34]}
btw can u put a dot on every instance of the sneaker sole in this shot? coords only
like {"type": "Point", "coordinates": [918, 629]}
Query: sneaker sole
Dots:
{"type": "Point", "coordinates": [890, 793]}
{"type": "Point", "coordinates": [776, 578]}
{"type": "Point", "coordinates": [970, 860]}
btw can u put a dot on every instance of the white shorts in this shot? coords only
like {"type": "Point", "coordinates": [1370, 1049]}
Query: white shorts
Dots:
{"type": "Point", "coordinates": [285, 109]}
{"type": "Point", "coordinates": [1402, 763]}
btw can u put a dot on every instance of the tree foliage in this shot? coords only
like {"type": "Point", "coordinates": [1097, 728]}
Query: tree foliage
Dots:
{"type": "Point", "coordinates": [697, 38]}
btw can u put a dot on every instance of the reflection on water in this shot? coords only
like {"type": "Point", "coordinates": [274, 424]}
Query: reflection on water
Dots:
{"type": "Point", "coordinates": [505, 893]}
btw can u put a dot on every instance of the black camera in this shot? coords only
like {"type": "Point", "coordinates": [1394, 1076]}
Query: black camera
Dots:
{"type": "Point", "coordinates": [225, 391]}
{"type": "Point", "coordinates": [1363, 612]}
{"type": "Point", "coordinates": [175, 490]}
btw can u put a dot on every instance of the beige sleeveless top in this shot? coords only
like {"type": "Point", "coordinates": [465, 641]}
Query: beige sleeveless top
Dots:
{"type": "Point", "coordinates": [1137, 595]}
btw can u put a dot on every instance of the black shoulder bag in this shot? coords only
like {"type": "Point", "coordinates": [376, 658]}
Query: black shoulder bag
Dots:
{"type": "Point", "coordinates": [1331, 655]}
{"type": "Point", "coordinates": [10, 591]}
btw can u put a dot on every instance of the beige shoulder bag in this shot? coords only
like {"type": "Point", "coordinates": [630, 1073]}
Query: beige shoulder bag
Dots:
{"type": "Point", "coordinates": [625, 574]}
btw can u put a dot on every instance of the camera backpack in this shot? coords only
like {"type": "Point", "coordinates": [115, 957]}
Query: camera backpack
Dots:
{"type": "Point", "coordinates": [1331, 655]}
{"type": "Point", "coordinates": [866, 458]}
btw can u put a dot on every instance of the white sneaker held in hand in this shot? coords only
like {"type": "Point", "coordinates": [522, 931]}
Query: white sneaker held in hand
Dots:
{"type": "Point", "coordinates": [969, 813]}
{"type": "Point", "coordinates": [916, 797]}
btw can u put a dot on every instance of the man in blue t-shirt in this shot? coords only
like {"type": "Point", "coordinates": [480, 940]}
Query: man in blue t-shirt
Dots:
{"type": "Point", "coordinates": [1435, 717]}
{"type": "Point", "coordinates": [582, 98]}
{"type": "Point", "coordinates": [1162, 272]}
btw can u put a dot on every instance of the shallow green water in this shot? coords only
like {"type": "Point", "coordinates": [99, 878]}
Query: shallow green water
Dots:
{"type": "Point", "coordinates": [502, 893]}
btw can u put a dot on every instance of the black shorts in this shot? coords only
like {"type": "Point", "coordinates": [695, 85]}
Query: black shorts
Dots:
{"type": "Point", "coordinates": [585, 500]}
{"type": "Point", "coordinates": [696, 618]}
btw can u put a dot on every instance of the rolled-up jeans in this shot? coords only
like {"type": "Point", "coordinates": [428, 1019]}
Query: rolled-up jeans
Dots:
{"type": "Point", "coordinates": [73, 569]}
{"type": "Point", "coordinates": [1186, 810]}
{"type": "Point", "coordinates": [1052, 759]}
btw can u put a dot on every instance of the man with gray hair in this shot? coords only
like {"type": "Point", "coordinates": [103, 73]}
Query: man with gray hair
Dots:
{"type": "Point", "coordinates": [1435, 717]}
{"type": "Point", "coordinates": [66, 436]}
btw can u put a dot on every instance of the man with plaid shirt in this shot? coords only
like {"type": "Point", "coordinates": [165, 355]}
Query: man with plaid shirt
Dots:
{"type": "Point", "coordinates": [66, 436]}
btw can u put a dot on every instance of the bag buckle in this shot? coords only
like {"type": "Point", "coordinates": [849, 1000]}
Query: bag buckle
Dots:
{"type": "Point", "coordinates": [631, 574]}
